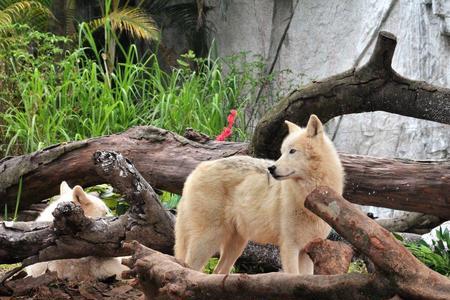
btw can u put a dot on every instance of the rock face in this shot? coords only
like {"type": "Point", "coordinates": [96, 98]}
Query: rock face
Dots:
{"type": "Point", "coordinates": [388, 135]}
{"type": "Point", "coordinates": [319, 38]}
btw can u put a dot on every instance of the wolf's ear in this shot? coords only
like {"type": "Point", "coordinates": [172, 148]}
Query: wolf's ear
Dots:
{"type": "Point", "coordinates": [64, 188]}
{"type": "Point", "coordinates": [291, 126]}
{"type": "Point", "coordinates": [80, 196]}
{"type": "Point", "coordinates": [314, 126]}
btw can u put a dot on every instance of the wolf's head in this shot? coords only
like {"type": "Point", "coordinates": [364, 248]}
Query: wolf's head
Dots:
{"type": "Point", "coordinates": [306, 153]}
{"type": "Point", "coordinates": [92, 206]}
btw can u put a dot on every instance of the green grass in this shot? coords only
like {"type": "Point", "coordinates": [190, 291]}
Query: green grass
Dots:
{"type": "Point", "coordinates": [73, 98]}
{"type": "Point", "coordinates": [435, 256]}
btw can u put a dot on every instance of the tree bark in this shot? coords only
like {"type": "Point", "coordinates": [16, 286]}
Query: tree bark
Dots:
{"type": "Point", "coordinates": [375, 86]}
{"type": "Point", "coordinates": [165, 159]}
{"type": "Point", "coordinates": [408, 221]}
{"type": "Point", "coordinates": [399, 275]}
{"type": "Point", "coordinates": [378, 244]}
{"type": "Point", "coordinates": [330, 257]}
{"type": "Point", "coordinates": [73, 235]}
{"type": "Point", "coordinates": [163, 277]}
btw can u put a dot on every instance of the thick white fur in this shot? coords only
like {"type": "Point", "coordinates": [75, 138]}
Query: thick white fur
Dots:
{"type": "Point", "coordinates": [229, 201]}
{"type": "Point", "coordinates": [84, 268]}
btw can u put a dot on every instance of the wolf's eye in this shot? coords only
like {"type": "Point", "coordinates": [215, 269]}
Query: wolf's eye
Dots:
{"type": "Point", "coordinates": [292, 151]}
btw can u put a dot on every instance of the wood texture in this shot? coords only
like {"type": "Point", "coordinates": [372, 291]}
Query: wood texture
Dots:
{"type": "Point", "coordinates": [165, 159]}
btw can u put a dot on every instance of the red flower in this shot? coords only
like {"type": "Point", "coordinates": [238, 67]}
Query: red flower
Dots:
{"type": "Point", "coordinates": [227, 131]}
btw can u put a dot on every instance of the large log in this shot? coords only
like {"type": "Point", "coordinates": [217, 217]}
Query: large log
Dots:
{"type": "Point", "coordinates": [398, 275]}
{"type": "Point", "coordinates": [374, 86]}
{"type": "Point", "coordinates": [165, 159]}
{"type": "Point", "coordinates": [161, 276]}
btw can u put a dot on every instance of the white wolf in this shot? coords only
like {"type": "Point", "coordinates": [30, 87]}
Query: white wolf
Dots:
{"type": "Point", "coordinates": [229, 201]}
{"type": "Point", "coordinates": [82, 268]}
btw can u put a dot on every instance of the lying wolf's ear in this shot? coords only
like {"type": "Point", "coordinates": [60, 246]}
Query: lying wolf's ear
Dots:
{"type": "Point", "coordinates": [64, 188]}
{"type": "Point", "coordinates": [314, 126]}
{"type": "Point", "coordinates": [291, 126]}
{"type": "Point", "coordinates": [80, 196]}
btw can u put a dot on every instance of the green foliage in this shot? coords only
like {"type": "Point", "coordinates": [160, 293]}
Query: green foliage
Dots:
{"type": "Point", "coordinates": [437, 256]}
{"type": "Point", "coordinates": [169, 200]}
{"type": "Point", "coordinates": [212, 263]}
{"type": "Point", "coordinates": [53, 96]}
{"type": "Point", "coordinates": [31, 12]}
{"type": "Point", "coordinates": [115, 202]}
{"type": "Point", "coordinates": [357, 266]}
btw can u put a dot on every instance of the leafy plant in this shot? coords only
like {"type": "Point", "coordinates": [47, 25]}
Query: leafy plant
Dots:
{"type": "Point", "coordinates": [357, 266]}
{"type": "Point", "coordinates": [170, 200]}
{"type": "Point", "coordinates": [31, 12]}
{"type": "Point", "coordinates": [52, 96]}
{"type": "Point", "coordinates": [118, 18]}
{"type": "Point", "coordinates": [115, 202]}
{"type": "Point", "coordinates": [435, 256]}
{"type": "Point", "coordinates": [211, 265]}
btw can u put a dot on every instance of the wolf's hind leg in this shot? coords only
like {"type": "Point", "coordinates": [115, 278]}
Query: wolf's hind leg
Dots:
{"type": "Point", "coordinates": [289, 258]}
{"type": "Point", "coordinates": [305, 264]}
{"type": "Point", "coordinates": [230, 251]}
{"type": "Point", "coordinates": [201, 247]}
{"type": "Point", "coordinates": [181, 245]}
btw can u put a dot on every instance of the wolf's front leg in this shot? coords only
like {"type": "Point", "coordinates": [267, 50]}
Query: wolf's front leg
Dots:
{"type": "Point", "coordinates": [305, 264]}
{"type": "Point", "coordinates": [289, 253]}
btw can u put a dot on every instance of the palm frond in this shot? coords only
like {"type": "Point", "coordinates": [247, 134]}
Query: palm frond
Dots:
{"type": "Point", "coordinates": [23, 11]}
{"type": "Point", "coordinates": [134, 21]}
{"type": "Point", "coordinates": [5, 19]}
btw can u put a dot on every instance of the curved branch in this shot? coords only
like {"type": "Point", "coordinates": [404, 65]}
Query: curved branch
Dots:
{"type": "Point", "coordinates": [375, 86]}
{"type": "Point", "coordinates": [387, 253]}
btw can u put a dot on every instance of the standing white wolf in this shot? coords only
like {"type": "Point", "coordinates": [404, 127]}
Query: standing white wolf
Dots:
{"type": "Point", "coordinates": [229, 201]}
{"type": "Point", "coordinates": [82, 268]}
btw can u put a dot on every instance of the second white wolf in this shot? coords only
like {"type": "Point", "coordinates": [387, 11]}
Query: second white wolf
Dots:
{"type": "Point", "coordinates": [229, 201]}
{"type": "Point", "coordinates": [82, 268]}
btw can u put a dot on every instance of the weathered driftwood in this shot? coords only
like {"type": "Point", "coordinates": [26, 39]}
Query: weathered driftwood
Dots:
{"type": "Point", "coordinates": [407, 221]}
{"type": "Point", "coordinates": [165, 159]}
{"type": "Point", "coordinates": [374, 86]}
{"type": "Point", "coordinates": [398, 273]}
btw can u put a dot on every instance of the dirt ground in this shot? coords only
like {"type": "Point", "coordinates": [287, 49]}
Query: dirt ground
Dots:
{"type": "Point", "coordinates": [48, 286]}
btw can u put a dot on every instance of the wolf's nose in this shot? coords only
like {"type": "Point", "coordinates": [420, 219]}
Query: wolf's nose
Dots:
{"type": "Point", "coordinates": [272, 169]}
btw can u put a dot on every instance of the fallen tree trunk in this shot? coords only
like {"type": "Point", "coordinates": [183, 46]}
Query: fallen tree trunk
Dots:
{"type": "Point", "coordinates": [407, 221]}
{"type": "Point", "coordinates": [374, 86]}
{"type": "Point", "coordinates": [165, 159]}
{"type": "Point", "coordinates": [398, 272]}
{"type": "Point", "coordinates": [163, 277]}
